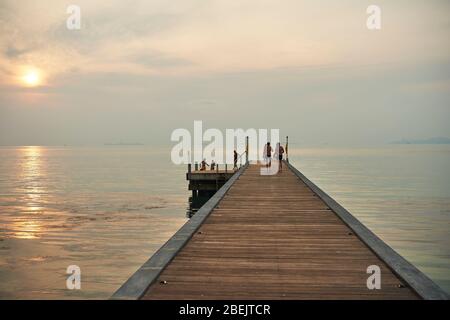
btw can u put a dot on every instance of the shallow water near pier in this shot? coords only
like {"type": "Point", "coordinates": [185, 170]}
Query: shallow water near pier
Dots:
{"type": "Point", "coordinates": [107, 209]}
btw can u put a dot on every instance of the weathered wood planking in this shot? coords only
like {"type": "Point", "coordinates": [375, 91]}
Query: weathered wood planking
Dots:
{"type": "Point", "coordinates": [272, 237]}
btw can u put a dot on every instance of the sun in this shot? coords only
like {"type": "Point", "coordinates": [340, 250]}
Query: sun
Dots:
{"type": "Point", "coordinates": [31, 78]}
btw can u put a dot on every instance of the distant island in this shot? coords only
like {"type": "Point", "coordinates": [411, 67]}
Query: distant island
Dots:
{"type": "Point", "coordinates": [435, 140]}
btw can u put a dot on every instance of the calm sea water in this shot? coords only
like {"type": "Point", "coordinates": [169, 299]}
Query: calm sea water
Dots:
{"type": "Point", "coordinates": [107, 209]}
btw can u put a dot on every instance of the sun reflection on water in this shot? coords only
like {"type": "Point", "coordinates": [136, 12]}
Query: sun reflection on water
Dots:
{"type": "Point", "coordinates": [29, 229]}
{"type": "Point", "coordinates": [33, 189]}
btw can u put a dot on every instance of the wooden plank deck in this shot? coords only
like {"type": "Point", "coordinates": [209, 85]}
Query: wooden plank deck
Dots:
{"type": "Point", "coordinates": [272, 237]}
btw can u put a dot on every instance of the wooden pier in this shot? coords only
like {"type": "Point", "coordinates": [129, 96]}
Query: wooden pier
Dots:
{"type": "Point", "coordinates": [275, 237]}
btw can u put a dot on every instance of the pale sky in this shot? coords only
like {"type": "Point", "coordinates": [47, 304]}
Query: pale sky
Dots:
{"type": "Point", "coordinates": [139, 69]}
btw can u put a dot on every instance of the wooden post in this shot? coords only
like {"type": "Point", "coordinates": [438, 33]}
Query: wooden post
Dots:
{"type": "Point", "coordinates": [287, 153]}
{"type": "Point", "coordinates": [226, 167]}
{"type": "Point", "coordinates": [217, 168]}
{"type": "Point", "coordinates": [246, 150]}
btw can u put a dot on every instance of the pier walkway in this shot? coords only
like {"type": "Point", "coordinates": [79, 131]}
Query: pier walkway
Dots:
{"type": "Point", "coordinates": [274, 237]}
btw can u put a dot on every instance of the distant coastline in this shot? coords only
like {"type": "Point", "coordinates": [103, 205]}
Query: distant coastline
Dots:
{"type": "Point", "coordinates": [434, 140]}
{"type": "Point", "coordinates": [124, 144]}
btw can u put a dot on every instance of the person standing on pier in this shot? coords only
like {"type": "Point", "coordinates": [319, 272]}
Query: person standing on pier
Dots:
{"type": "Point", "coordinates": [280, 152]}
{"type": "Point", "coordinates": [235, 157]}
{"type": "Point", "coordinates": [203, 165]}
{"type": "Point", "coordinates": [268, 154]}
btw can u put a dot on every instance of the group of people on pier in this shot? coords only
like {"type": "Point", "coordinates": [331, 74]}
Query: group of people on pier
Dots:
{"type": "Point", "coordinates": [278, 153]}
{"type": "Point", "coordinates": [204, 164]}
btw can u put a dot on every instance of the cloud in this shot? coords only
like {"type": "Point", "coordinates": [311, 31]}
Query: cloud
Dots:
{"type": "Point", "coordinates": [158, 60]}
{"type": "Point", "coordinates": [193, 36]}
{"type": "Point", "coordinates": [302, 65]}
{"type": "Point", "coordinates": [13, 53]}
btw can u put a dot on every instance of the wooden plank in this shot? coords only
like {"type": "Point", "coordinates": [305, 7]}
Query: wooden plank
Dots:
{"type": "Point", "coordinates": [272, 237]}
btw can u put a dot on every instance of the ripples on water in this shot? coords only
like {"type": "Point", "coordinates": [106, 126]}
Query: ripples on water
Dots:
{"type": "Point", "coordinates": [108, 209]}
{"type": "Point", "coordinates": [103, 209]}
